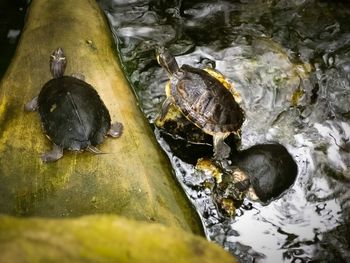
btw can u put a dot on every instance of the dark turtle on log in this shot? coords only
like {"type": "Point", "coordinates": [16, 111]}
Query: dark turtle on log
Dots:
{"type": "Point", "coordinates": [203, 99]}
{"type": "Point", "coordinates": [72, 113]}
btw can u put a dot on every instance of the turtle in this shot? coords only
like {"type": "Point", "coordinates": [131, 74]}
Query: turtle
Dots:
{"type": "Point", "coordinates": [72, 114]}
{"type": "Point", "coordinates": [203, 100]}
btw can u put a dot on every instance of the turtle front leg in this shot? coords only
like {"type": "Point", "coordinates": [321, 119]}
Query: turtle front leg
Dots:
{"type": "Point", "coordinates": [54, 155]}
{"type": "Point", "coordinates": [32, 105]}
{"type": "Point", "coordinates": [221, 149]}
{"type": "Point", "coordinates": [79, 75]}
{"type": "Point", "coordinates": [116, 130]}
{"type": "Point", "coordinates": [165, 108]}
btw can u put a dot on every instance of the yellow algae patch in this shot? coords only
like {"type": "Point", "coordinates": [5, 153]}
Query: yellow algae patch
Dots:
{"type": "Point", "coordinates": [102, 239]}
{"type": "Point", "coordinates": [209, 168]}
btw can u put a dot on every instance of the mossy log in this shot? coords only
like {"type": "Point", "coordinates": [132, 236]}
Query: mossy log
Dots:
{"type": "Point", "coordinates": [133, 178]}
{"type": "Point", "coordinates": [101, 239]}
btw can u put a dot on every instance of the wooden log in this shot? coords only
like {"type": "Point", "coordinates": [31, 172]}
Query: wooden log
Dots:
{"type": "Point", "coordinates": [133, 178]}
{"type": "Point", "coordinates": [101, 239]}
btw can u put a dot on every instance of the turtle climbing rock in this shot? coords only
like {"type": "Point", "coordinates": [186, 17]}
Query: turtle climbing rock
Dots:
{"type": "Point", "coordinates": [72, 113]}
{"type": "Point", "coordinates": [203, 99]}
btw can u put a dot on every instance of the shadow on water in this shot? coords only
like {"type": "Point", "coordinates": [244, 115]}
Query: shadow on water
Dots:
{"type": "Point", "coordinates": [290, 61]}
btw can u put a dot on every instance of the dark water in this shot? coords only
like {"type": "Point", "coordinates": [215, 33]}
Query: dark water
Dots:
{"type": "Point", "coordinates": [290, 61]}
{"type": "Point", "coordinates": [12, 13]}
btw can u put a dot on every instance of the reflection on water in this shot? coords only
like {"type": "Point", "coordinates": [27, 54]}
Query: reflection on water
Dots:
{"type": "Point", "coordinates": [290, 60]}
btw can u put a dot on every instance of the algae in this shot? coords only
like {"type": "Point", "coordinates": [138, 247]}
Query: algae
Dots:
{"type": "Point", "coordinates": [101, 239]}
{"type": "Point", "coordinates": [133, 178]}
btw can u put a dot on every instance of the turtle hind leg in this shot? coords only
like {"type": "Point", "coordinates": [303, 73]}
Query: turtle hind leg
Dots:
{"type": "Point", "coordinates": [116, 130]}
{"type": "Point", "coordinates": [221, 149]}
{"type": "Point", "coordinates": [32, 105]}
{"type": "Point", "coordinates": [55, 154]}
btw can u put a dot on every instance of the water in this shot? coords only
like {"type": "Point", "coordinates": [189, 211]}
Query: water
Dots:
{"type": "Point", "coordinates": [11, 23]}
{"type": "Point", "coordinates": [290, 61]}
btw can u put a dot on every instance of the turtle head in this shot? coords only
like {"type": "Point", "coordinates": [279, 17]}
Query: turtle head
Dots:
{"type": "Point", "coordinates": [58, 63]}
{"type": "Point", "coordinates": [167, 60]}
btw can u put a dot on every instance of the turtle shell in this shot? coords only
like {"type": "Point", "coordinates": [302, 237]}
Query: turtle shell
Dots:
{"type": "Point", "coordinates": [72, 114]}
{"type": "Point", "coordinates": [205, 101]}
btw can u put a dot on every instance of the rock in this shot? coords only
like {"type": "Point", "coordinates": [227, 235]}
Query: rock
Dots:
{"type": "Point", "coordinates": [270, 168]}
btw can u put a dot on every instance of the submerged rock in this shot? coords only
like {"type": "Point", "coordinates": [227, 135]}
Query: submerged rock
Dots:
{"type": "Point", "coordinates": [270, 168]}
{"type": "Point", "coordinates": [260, 173]}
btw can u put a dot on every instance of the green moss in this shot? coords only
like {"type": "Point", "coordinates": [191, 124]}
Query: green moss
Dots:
{"type": "Point", "coordinates": [133, 178]}
{"type": "Point", "coordinates": [346, 115]}
{"type": "Point", "coordinates": [101, 239]}
{"type": "Point", "coordinates": [297, 94]}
